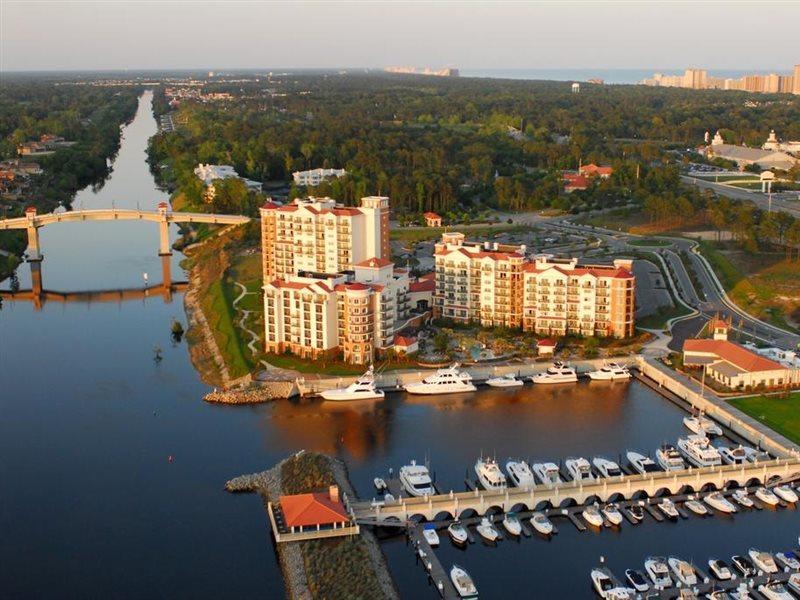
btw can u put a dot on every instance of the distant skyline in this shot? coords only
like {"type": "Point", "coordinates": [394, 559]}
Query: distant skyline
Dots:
{"type": "Point", "coordinates": [81, 35]}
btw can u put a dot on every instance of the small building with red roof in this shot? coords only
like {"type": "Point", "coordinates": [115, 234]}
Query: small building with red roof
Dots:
{"type": "Point", "coordinates": [432, 219]}
{"type": "Point", "coordinates": [405, 344]}
{"type": "Point", "coordinates": [311, 515]}
{"type": "Point", "coordinates": [574, 181]}
{"type": "Point", "coordinates": [546, 347]}
{"type": "Point", "coordinates": [734, 366]}
{"type": "Point", "coordinates": [593, 170]}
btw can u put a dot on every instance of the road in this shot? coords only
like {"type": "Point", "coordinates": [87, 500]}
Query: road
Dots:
{"type": "Point", "coordinates": [779, 201]}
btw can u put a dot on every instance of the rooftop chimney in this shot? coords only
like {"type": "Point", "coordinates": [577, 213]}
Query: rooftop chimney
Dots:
{"type": "Point", "coordinates": [333, 493]}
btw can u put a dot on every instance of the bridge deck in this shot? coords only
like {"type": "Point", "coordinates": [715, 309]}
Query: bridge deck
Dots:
{"type": "Point", "coordinates": [120, 214]}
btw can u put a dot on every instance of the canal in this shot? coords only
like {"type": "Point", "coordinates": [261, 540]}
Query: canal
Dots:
{"type": "Point", "coordinates": [91, 504]}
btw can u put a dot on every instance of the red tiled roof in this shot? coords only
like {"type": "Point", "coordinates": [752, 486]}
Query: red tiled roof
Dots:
{"type": "Point", "coordinates": [354, 286]}
{"type": "Point", "coordinates": [427, 285]}
{"type": "Point", "coordinates": [402, 340]}
{"type": "Point", "coordinates": [428, 277]}
{"type": "Point", "coordinates": [375, 263]}
{"type": "Point", "coordinates": [311, 509]}
{"type": "Point", "coordinates": [431, 215]}
{"type": "Point", "coordinates": [269, 205]}
{"type": "Point", "coordinates": [733, 353]}
{"type": "Point", "coordinates": [546, 342]}
{"type": "Point", "coordinates": [343, 211]}
{"type": "Point", "coordinates": [593, 169]}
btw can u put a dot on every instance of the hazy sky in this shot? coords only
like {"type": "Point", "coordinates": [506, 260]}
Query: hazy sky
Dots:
{"type": "Point", "coordinates": [112, 34]}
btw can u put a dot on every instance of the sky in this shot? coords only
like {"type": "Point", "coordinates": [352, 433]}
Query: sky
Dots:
{"type": "Point", "coordinates": [125, 34]}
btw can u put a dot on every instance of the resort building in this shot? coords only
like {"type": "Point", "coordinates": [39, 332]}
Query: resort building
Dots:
{"type": "Point", "coordinates": [316, 176]}
{"type": "Point", "coordinates": [744, 156]}
{"type": "Point", "coordinates": [773, 143]}
{"type": "Point", "coordinates": [210, 173]}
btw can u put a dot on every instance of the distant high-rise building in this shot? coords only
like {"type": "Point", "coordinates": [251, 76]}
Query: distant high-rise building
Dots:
{"type": "Point", "coordinates": [699, 79]}
{"type": "Point", "coordinates": [796, 82]}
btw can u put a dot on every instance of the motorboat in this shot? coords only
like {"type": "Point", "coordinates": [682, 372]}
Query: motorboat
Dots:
{"type": "Point", "coordinates": [785, 493]}
{"type": "Point", "coordinates": [637, 580]}
{"type": "Point", "coordinates": [558, 372]}
{"type": "Point", "coordinates": [520, 473]}
{"type": "Point", "coordinates": [606, 467]}
{"type": "Point", "coordinates": [430, 535]}
{"type": "Point", "coordinates": [547, 473]}
{"type": "Point", "coordinates": [763, 560]}
{"type": "Point", "coordinates": [541, 523]}
{"type": "Point", "coordinates": [505, 381]}
{"type": "Point", "coordinates": [489, 474]}
{"type": "Point", "coordinates": [591, 514]}
{"type": "Point", "coordinates": [717, 594]}
{"type": "Point", "coordinates": [605, 586]}
{"type": "Point", "coordinates": [683, 571]}
{"type": "Point", "coordinates": [487, 530]}
{"type": "Point", "coordinates": [696, 507]}
{"type": "Point", "coordinates": [699, 451]}
{"type": "Point", "coordinates": [611, 513]}
{"type": "Point", "coordinates": [744, 565]}
{"type": "Point", "coordinates": [669, 509]}
{"type": "Point", "coordinates": [719, 502]}
{"type": "Point", "coordinates": [766, 496]}
{"type": "Point", "coordinates": [719, 569]}
{"type": "Point", "coordinates": [669, 459]}
{"type": "Point", "coordinates": [657, 569]}
{"type": "Point", "coordinates": [702, 425]}
{"type": "Point", "coordinates": [463, 582]}
{"type": "Point", "coordinates": [635, 512]}
{"type": "Point", "coordinates": [741, 498]}
{"type": "Point", "coordinates": [788, 559]}
{"type": "Point", "coordinates": [416, 480]}
{"type": "Point", "coordinates": [512, 524]}
{"type": "Point", "coordinates": [363, 388]}
{"type": "Point", "coordinates": [380, 484]}
{"type": "Point", "coordinates": [579, 469]}
{"type": "Point", "coordinates": [740, 593]}
{"type": "Point", "coordinates": [732, 456]}
{"type": "Point", "coordinates": [641, 463]}
{"type": "Point", "coordinates": [444, 381]}
{"type": "Point", "coordinates": [754, 455]}
{"type": "Point", "coordinates": [610, 371]}
{"type": "Point", "coordinates": [794, 583]}
{"type": "Point", "coordinates": [774, 590]}
{"type": "Point", "coordinates": [458, 533]}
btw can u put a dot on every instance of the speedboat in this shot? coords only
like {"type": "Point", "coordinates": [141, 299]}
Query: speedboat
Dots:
{"type": "Point", "coordinates": [547, 473]}
{"type": "Point", "coordinates": [541, 523]}
{"type": "Point", "coordinates": [636, 512]}
{"type": "Point", "coordinates": [503, 381]}
{"type": "Point", "coordinates": [362, 388]}
{"type": "Point", "coordinates": [559, 372]}
{"type": "Point", "coordinates": [669, 458]}
{"type": "Point", "coordinates": [732, 456]}
{"type": "Point", "coordinates": [487, 530]}
{"type": "Point", "coordinates": [444, 381]}
{"type": "Point", "coordinates": [637, 580]}
{"type": "Point", "coordinates": [699, 451]}
{"type": "Point", "coordinates": [604, 585]}
{"type": "Point", "coordinates": [766, 496]}
{"type": "Point", "coordinates": [657, 569]}
{"type": "Point", "coordinates": [719, 502]}
{"type": "Point", "coordinates": [512, 523]}
{"type": "Point", "coordinates": [696, 507]}
{"type": "Point", "coordinates": [641, 463]}
{"type": "Point", "coordinates": [611, 512]}
{"type": "Point", "coordinates": [794, 583]}
{"type": "Point", "coordinates": [490, 475]}
{"type": "Point", "coordinates": [591, 514]}
{"type": "Point", "coordinates": [740, 593]}
{"type": "Point", "coordinates": [579, 469]}
{"type": "Point", "coordinates": [669, 509]}
{"type": "Point", "coordinates": [610, 371]}
{"type": "Point", "coordinates": [429, 532]}
{"type": "Point", "coordinates": [606, 468]}
{"type": "Point", "coordinates": [416, 480]}
{"type": "Point", "coordinates": [719, 569]}
{"type": "Point", "coordinates": [741, 497]}
{"type": "Point", "coordinates": [684, 572]}
{"type": "Point", "coordinates": [458, 533]}
{"type": "Point", "coordinates": [520, 473]}
{"type": "Point", "coordinates": [702, 425]}
{"type": "Point", "coordinates": [774, 590]}
{"type": "Point", "coordinates": [785, 493]}
{"type": "Point", "coordinates": [763, 560]}
{"type": "Point", "coordinates": [463, 582]}
{"type": "Point", "coordinates": [744, 565]}
{"type": "Point", "coordinates": [788, 559]}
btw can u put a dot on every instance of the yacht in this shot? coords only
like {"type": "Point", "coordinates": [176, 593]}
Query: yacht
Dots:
{"type": "Point", "coordinates": [774, 590]}
{"type": "Point", "coordinates": [559, 372]}
{"type": "Point", "coordinates": [487, 530]}
{"type": "Point", "coordinates": [635, 512]}
{"type": "Point", "coordinates": [592, 516]}
{"type": "Point", "coordinates": [701, 425]}
{"type": "Point", "coordinates": [444, 381]}
{"type": "Point", "coordinates": [744, 565]}
{"type": "Point", "coordinates": [541, 523]}
{"type": "Point", "coordinates": [699, 451]}
{"type": "Point", "coordinates": [696, 507]}
{"type": "Point", "coordinates": [741, 498]}
{"type": "Point", "coordinates": [611, 512]}
{"type": "Point", "coordinates": [684, 572]}
{"type": "Point", "coordinates": [458, 533]}
{"type": "Point", "coordinates": [718, 594]}
{"type": "Point", "coordinates": [794, 583]}
{"type": "Point", "coordinates": [669, 509]}
{"type": "Point", "coordinates": [416, 480]}
{"type": "Point", "coordinates": [766, 496]}
{"type": "Point", "coordinates": [490, 475]}
{"type": "Point", "coordinates": [606, 468]}
{"type": "Point", "coordinates": [610, 371]}
{"type": "Point", "coordinates": [547, 473]}
{"type": "Point", "coordinates": [658, 571]}
{"type": "Point", "coordinates": [788, 559]}
{"type": "Point", "coordinates": [641, 463]}
{"type": "Point", "coordinates": [785, 493]}
{"type": "Point", "coordinates": [463, 582]}
{"type": "Point", "coordinates": [732, 456]}
{"type": "Point", "coordinates": [504, 381]}
{"type": "Point", "coordinates": [362, 388]}
{"type": "Point", "coordinates": [637, 580]}
{"type": "Point", "coordinates": [429, 532]}
{"type": "Point", "coordinates": [763, 560]}
{"type": "Point", "coordinates": [719, 569]}
{"type": "Point", "coordinates": [605, 586]}
{"type": "Point", "coordinates": [512, 524]}
{"type": "Point", "coordinates": [579, 469]}
{"type": "Point", "coordinates": [669, 458]}
{"type": "Point", "coordinates": [520, 473]}
{"type": "Point", "coordinates": [754, 455]}
{"type": "Point", "coordinates": [719, 502]}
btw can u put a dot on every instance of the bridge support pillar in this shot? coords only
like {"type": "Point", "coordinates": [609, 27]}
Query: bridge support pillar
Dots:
{"type": "Point", "coordinates": [164, 249]}
{"type": "Point", "coordinates": [33, 251]}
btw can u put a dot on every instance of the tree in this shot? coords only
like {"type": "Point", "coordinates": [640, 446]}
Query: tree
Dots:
{"type": "Point", "coordinates": [441, 342]}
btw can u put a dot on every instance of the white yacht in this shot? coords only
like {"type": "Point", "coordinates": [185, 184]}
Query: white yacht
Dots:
{"type": "Point", "coordinates": [416, 480]}
{"type": "Point", "coordinates": [606, 467]}
{"type": "Point", "coordinates": [592, 516]}
{"type": "Point", "coordinates": [699, 451]}
{"type": "Point", "coordinates": [637, 580]}
{"type": "Point", "coordinates": [754, 455]}
{"type": "Point", "coordinates": [658, 571]}
{"type": "Point", "coordinates": [362, 388]}
{"type": "Point", "coordinates": [504, 381]}
{"type": "Point", "coordinates": [541, 523]}
{"type": "Point", "coordinates": [605, 586]}
{"type": "Point", "coordinates": [641, 463]}
{"type": "Point", "coordinates": [719, 569]}
{"type": "Point", "coordinates": [763, 560]}
{"type": "Point", "coordinates": [785, 493]}
{"type": "Point", "coordinates": [463, 582]}
{"type": "Point", "coordinates": [559, 372]}
{"type": "Point", "coordinates": [744, 565]}
{"type": "Point", "coordinates": [696, 507]}
{"type": "Point", "coordinates": [487, 530]}
{"type": "Point", "coordinates": [719, 502]}
{"type": "Point", "coordinates": [774, 590]}
{"type": "Point", "coordinates": [444, 381]}
{"type": "Point", "coordinates": [684, 572]}
{"type": "Point", "coordinates": [489, 474]}
{"type": "Point", "coordinates": [788, 559]}
{"type": "Point", "coordinates": [766, 496]}
{"type": "Point", "coordinates": [794, 583]}
{"type": "Point", "coordinates": [741, 497]}
{"type": "Point", "coordinates": [579, 469]}
{"type": "Point", "coordinates": [611, 513]}
{"type": "Point", "coordinates": [669, 458]}
{"type": "Point", "coordinates": [520, 473]}
{"type": "Point", "coordinates": [732, 456]}
{"type": "Point", "coordinates": [635, 512]}
{"type": "Point", "coordinates": [512, 524]}
{"type": "Point", "coordinates": [429, 532]}
{"type": "Point", "coordinates": [547, 473]}
{"type": "Point", "coordinates": [458, 533]}
{"type": "Point", "coordinates": [701, 425]}
{"type": "Point", "coordinates": [669, 509]}
{"type": "Point", "coordinates": [610, 371]}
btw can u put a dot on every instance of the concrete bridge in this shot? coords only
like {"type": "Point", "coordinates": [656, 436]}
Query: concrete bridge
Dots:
{"type": "Point", "coordinates": [625, 487]}
{"type": "Point", "coordinates": [32, 222]}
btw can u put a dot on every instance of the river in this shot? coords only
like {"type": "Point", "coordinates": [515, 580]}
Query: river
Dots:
{"type": "Point", "coordinates": [92, 506]}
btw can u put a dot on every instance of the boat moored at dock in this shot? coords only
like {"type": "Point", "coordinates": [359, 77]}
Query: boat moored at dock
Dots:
{"type": "Point", "coordinates": [541, 523]}
{"type": "Point", "coordinates": [520, 473]}
{"type": "Point", "coordinates": [766, 496]}
{"type": "Point", "coordinates": [606, 467]}
{"type": "Point", "coordinates": [579, 469]}
{"type": "Point", "coordinates": [785, 493]}
{"type": "Point", "coordinates": [696, 506]}
{"type": "Point", "coordinates": [683, 571]}
{"type": "Point", "coordinates": [788, 559]}
{"type": "Point", "coordinates": [505, 381]}
{"type": "Point", "coordinates": [702, 425]}
{"type": "Point", "coordinates": [458, 533]}
{"type": "Point", "coordinates": [592, 515]}
{"type": "Point", "coordinates": [429, 532]}
{"type": "Point", "coordinates": [363, 388]}
{"type": "Point", "coordinates": [463, 582]}
{"type": "Point", "coordinates": [742, 499]}
{"type": "Point", "coordinates": [719, 502]}
{"type": "Point", "coordinates": [641, 463]}
{"type": "Point", "coordinates": [444, 381]}
{"type": "Point", "coordinates": [487, 530]}
{"type": "Point", "coordinates": [558, 372]}
{"type": "Point", "coordinates": [719, 569]}
{"type": "Point", "coordinates": [635, 512]}
{"type": "Point", "coordinates": [774, 590]}
{"type": "Point", "coordinates": [606, 587]}
{"type": "Point", "coordinates": [547, 473]}
{"type": "Point", "coordinates": [669, 458]}
{"type": "Point", "coordinates": [732, 456]}
{"type": "Point", "coordinates": [611, 513]}
{"type": "Point", "coordinates": [744, 565]}
{"type": "Point", "coordinates": [489, 474]}
{"type": "Point", "coordinates": [416, 480]}
{"type": "Point", "coordinates": [637, 580]}
{"type": "Point", "coordinates": [609, 372]}
{"type": "Point", "coordinates": [699, 451]}
{"type": "Point", "coordinates": [763, 560]}
{"type": "Point", "coordinates": [512, 524]}
{"type": "Point", "coordinates": [657, 569]}
{"type": "Point", "coordinates": [669, 509]}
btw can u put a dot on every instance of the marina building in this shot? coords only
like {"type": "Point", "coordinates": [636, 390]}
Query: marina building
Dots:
{"type": "Point", "coordinates": [316, 176]}
{"type": "Point", "coordinates": [313, 515]}
{"type": "Point", "coordinates": [734, 366]}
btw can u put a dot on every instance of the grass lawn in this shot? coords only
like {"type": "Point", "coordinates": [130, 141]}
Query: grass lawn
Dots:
{"type": "Point", "coordinates": [780, 414]}
{"type": "Point", "coordinates": [220, 315]}
{"type": "Point", "coordinates": [649, 242]}
{"type": "Point", "coordinates": [724, 178]}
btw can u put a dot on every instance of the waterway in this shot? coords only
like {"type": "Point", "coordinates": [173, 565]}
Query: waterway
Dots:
{"type": "Point", "coordinates": [90, 504]}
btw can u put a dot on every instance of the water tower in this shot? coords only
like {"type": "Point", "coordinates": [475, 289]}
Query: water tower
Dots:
{"type": "Point", "coordinates": [576, 87]}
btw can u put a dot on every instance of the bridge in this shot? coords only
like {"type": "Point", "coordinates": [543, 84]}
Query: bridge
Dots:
{"type": "Point", "coordinates": [163, 215]}
{"type": "Point", "coordinates": [457, 505]}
